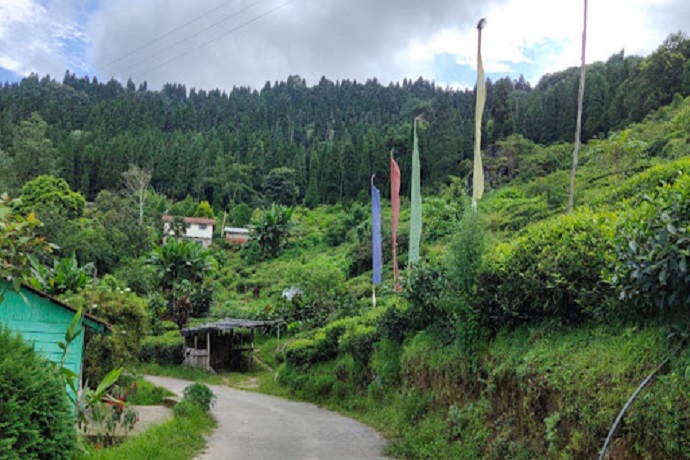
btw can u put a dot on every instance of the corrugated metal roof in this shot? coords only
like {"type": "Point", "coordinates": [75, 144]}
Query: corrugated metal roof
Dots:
{"type": "Point", "coordinates": [191, 220]}
{"type": "Point", "coordinates": [227, 324]}
{"type": "Point", "coordinates": [236, 230]}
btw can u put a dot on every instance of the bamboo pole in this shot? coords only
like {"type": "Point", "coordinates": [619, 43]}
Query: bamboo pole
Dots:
{"type": "Point", "coordinates": [578, 127]}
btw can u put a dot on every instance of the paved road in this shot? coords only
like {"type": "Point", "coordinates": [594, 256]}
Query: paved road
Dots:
{"type": "Point", "coordinates": [253, 426]}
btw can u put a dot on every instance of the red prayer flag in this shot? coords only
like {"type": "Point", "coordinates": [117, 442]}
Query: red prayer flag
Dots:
{"type": "Point", "coordinates": [395, 205]}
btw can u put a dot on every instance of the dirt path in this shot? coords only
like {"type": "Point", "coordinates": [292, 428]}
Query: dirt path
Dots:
{"type": "Point", "coordinates": [253, 426]}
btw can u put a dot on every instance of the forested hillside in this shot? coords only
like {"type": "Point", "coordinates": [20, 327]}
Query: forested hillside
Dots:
{"type": "Point", "coordinates": [294, 143]}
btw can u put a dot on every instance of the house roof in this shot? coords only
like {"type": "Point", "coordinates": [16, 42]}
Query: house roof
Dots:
{"type": "Point", "coordinates": [227, 324]}
{"type": "Point", "coordinates": [90, 321]}
{"type": "Point", "coordinates": [235, 230]}
{"type": "Point", "coordinates": [191, 220]}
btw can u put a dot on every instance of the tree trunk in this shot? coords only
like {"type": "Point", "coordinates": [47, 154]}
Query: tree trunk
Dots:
{"type": "Point", "coordinates": [578, 128]}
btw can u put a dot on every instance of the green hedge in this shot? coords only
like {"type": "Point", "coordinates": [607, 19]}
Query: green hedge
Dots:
{"type": "Point", "coordinates": [554, 270]}
{"type": "Point", "coordinates": [635, 189]}
{"type": "Point", "coordinates": [167, 349]}
{"type": "Point", "coordinates": [35, 414]}
{"type": "Point", "coordinates": [653, 248]}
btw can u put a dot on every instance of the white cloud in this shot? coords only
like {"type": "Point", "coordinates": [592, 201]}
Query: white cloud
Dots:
{"type": "Point", "coordinates": [34, 35]}
{"type": "Point", "coordinates": [355, 39]}
{"type": "Point", "coordinates": [518, 27]}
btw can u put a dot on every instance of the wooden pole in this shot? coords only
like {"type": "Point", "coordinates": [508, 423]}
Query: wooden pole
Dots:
{"type": "Point", "coordinates": [578, 127]}
{"type": "Point", "coordinates": [208, 351]}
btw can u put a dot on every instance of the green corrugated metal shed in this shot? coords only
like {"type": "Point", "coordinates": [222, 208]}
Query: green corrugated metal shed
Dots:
{"type": "Point", "coordinates": [43, 320]}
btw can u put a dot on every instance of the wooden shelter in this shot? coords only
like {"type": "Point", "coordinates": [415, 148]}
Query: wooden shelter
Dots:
{"type": "Point", "coordinates": [225, 345]}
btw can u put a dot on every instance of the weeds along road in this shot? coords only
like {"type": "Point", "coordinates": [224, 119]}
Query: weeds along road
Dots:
{"type": "Point", "coordinates": [254, 426]}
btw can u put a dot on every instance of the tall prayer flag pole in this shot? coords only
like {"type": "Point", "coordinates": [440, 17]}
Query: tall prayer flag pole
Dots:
{"type": "Point", "coordinates": [395, 213]}
{"type": "Point", "coordinates": [478, 175]}
{"type": "Point", "coordinates": [416, 203]}
{"type": "Point", "coordinates": [377, 254]}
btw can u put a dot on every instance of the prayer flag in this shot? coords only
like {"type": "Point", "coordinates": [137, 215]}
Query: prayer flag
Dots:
{"type": "Point", "coordinates": [395, 213]}
{"type": "Point", "coordinates": [478, 174]}
{"type": "Point", "coordinates": [377, 255]}
{"type": "Point", "coordinates": [416, 204]}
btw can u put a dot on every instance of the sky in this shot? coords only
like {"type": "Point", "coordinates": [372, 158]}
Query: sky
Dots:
{"type": "Point", "coordinates": [209, 44]}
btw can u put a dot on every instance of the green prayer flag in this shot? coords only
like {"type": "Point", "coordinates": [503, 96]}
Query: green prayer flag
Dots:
{"type": "Point", "coordinates": [478, 174]}
{"type": "Point", "coordinates": [416, 205]}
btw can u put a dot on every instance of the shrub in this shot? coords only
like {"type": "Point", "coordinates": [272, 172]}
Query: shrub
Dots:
{"type": "Point", "coordinates": [137, 275]}
{"type": "Point", "coordinates": [395, 323]}
{"type": "Point", "coordinates": [637, 187]}
{"type": "Point", "coordinates": [200, 395]}
{"type": "Point", "coordinates": [167, 349]}
{"type": "Point", "coordinates": [425, 287]}
{"type": "Point", "coordinates": [652, 247]}
{"type": "Point", "coordinates": [305, 351]}
{"type": "Point", "coordinates": [35, 415]}
{"type": "Point", "coordinates": [126, 312]}
{"type": "Point", "coordinates": [359, 342]}
{"type": "Point", "coordinates": [554, 270]}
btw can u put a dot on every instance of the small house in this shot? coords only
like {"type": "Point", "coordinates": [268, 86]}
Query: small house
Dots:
{"type": "Point", "coordinates": [198, 229]}
{"type": "Point", "coordinates": [224, 345]}
{"type": "Point", "coordinates": [43, 320]}
{"type": "Point", "coordinates": [236, 235]}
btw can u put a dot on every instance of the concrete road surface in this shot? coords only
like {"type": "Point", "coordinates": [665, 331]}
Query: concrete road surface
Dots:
{"type": "Point", "coordinates": [253, 426]}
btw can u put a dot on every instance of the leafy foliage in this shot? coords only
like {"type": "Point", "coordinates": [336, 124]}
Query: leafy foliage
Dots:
{"type": "Point", "coordinates": [35, 415]}
{"type": "Point", "coordinates": [272, 229]}
{"type": "Point", "coordinates": [166, 349]}
{"type": "Point", "coordinates": [65, 276]}
{"type": "Point", "coordinates": [554, 270]}
{"type": "Point", "coordinates": [652, 248]}
{"type": "Point", "coordinates": [127, 314]}
{"type": "Point", "coordinates": [181, 267]}
{"type": "Point", "coordinates": [200, 395]}
{"type": "Point", "coordinates": [48, 194]}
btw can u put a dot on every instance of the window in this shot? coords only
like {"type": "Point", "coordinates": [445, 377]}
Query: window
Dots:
{"type": "Point", "coordinates": [202, 226]}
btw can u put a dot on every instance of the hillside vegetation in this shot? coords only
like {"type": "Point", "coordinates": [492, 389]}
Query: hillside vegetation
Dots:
{"type": "Point", "coordinates": [526, 330]}
{"type": "Point", "coordinates": [521, 333]}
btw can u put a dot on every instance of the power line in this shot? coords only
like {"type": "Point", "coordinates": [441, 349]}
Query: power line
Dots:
{"type": "Point", "coordinates": [196, 34]}
{"type": "Point", "coordinates": [166, 34]}
{"type": "Point", "coordinates": [235, 29]}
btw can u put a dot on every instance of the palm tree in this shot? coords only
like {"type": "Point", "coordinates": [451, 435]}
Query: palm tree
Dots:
{"type": "Point", "coordinates": [578, 128]}
{"type": "Point", "coordinates": [272, 229]}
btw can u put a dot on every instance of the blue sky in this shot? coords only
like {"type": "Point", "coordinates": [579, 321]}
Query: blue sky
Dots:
{"type": "Point", "coordinates": [221, 43]}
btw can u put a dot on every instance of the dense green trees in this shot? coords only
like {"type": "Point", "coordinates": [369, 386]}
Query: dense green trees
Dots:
{"type": "Point", "coordinates": [230, 147]}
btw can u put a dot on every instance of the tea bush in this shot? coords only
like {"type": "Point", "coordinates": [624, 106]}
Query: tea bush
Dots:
{"type": "Point", "coordinates": [35, 415]}
{"type": "Point", "coordinates": [637, 187]}
{"type": "Point", "coordinates": [167, 349]}
{"type": "Point", "coordinates": [652, 248]}
{"type": "Point", "coordinates": [554, 270]}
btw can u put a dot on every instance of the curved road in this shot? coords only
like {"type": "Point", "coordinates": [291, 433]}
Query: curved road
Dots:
{"type": "Point", "coordinates": [254, 426]}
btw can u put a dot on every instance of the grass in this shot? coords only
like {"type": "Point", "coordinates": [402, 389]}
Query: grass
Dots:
{"type": "Point", "coordinates": [148, 394]}
{"type": "Point", "coordinates": [180, 439]}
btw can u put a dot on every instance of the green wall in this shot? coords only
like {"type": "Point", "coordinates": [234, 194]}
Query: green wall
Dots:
{"type": "Point", "coordinates": [44, 323]}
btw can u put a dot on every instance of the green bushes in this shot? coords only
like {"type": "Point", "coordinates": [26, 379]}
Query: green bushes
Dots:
{"type": "Point", "coordinates": [354, 335]}
{"type": "Point", "coordinates": [554, 270]}
{"type": "Point", "coordinates": [35, 415]}
{"type": "Point", "coordinates": [200, 395]}
{"type": "Point", "coordinates": [637, 187]}
{"type": "Point", "coordinates": [359, 343]}
{"type": "Point", "coordinates": [167, 349]}
{"type": "Point", "coordinates": [653, 248]}
{"type": "Point", "coordinates": [126, 312]}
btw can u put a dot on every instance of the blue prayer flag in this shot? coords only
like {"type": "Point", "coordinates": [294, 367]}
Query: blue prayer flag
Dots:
{"type": "Point", "coordinates": [377, 255]}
